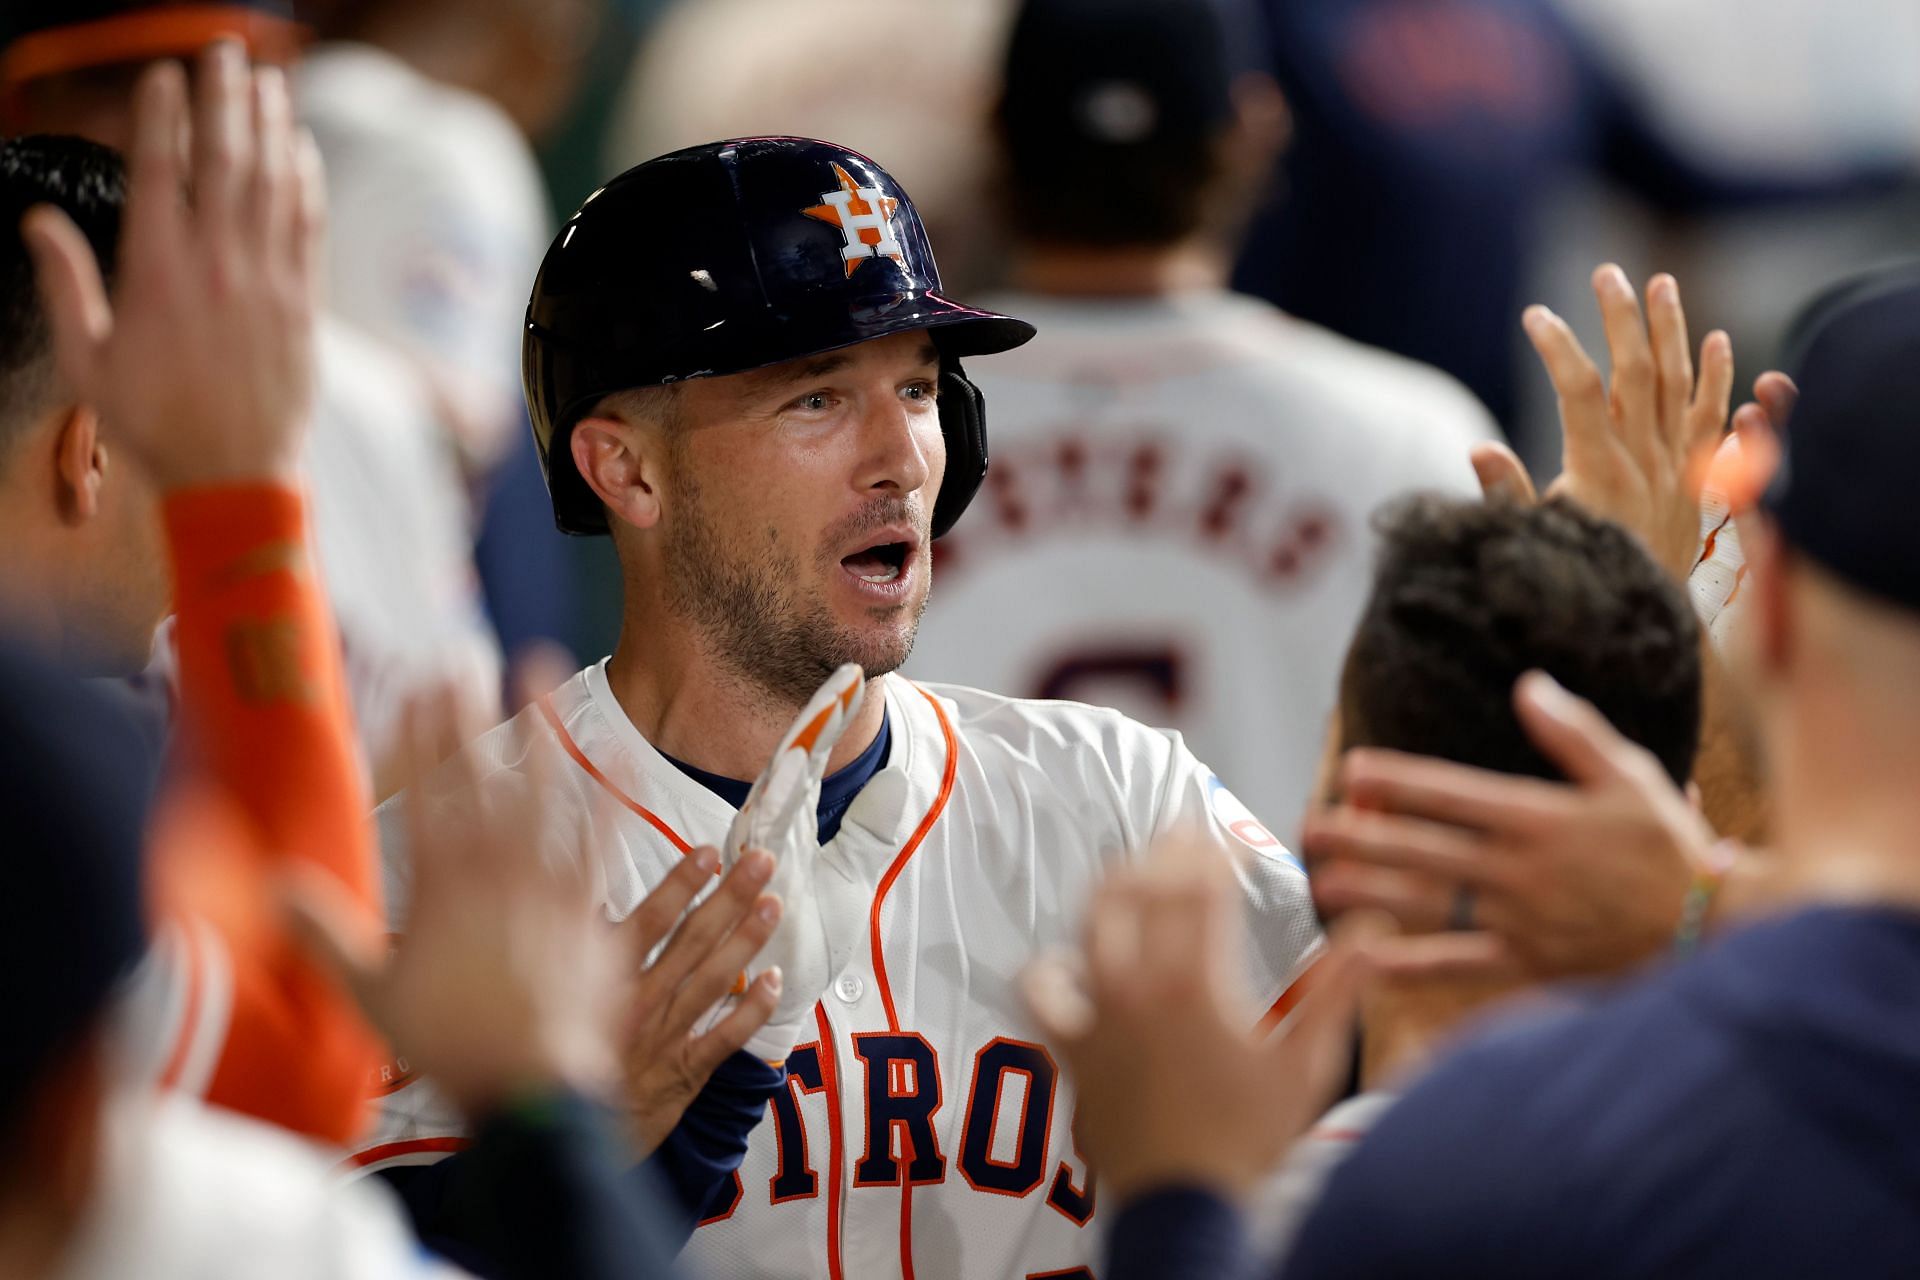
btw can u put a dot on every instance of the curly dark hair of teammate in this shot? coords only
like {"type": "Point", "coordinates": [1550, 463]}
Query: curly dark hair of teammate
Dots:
{"type": "Point", "coordinates": [1469, 595]}
{"type": "Point", "coordinates": [88, 182]}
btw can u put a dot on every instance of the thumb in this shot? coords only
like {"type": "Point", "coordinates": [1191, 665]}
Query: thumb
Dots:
{"type": "Point", "coordinates": [1569, 730]}
{"type": "Point", "coordinates": [78, 315]}
{"type": "Point", "coordinates": [1503, 477]}
{"type": "Point", "coordinates": [335, 929]}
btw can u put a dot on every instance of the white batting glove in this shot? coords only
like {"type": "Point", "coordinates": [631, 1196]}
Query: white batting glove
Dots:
{"type": "Point", "coordinates": [1720, 571]}
{"type": "Point", "coordinates": [825, 899]}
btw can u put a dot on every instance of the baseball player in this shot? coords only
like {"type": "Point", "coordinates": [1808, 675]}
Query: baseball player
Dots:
{"type": "Point", "coordinates": [741, 366]}
{"type": "Point", "coordinates": [1200, 466]}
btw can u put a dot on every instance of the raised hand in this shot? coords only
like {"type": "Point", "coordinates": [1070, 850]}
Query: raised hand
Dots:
{"type": "Point", "coordinates": [1637, 445]}
{"type": "Point", "coordinates": [506, 974]}
{"type": "Point", "coordinates": [201, 365]}
{"type": "Point", "coordinates": [825, 896]}
{"type": "Point", "coordinates": [666, 1060]}
{"type": "Point", "coordinates": [1566, 879]}
{"type": "Point", "coordinates": [1175, 1085]}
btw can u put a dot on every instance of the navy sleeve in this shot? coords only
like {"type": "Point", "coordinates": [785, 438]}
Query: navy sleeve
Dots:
{"type": "Point", "coordinates": [1182, 1233]}
{"type": "Point", "coordinates": [1460, 1178]}
{"type": "Point", "coordinates": [697, 1161]}
{"type": "Point", "coordinates": [544, 1191]}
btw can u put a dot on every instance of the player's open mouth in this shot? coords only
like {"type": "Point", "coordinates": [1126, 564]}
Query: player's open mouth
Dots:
{"type": "Point", "coordinates": [880, 564]}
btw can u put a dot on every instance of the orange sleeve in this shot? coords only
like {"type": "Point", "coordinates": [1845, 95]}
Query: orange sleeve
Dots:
{"type": "Point", "coordinates": [269, 778]}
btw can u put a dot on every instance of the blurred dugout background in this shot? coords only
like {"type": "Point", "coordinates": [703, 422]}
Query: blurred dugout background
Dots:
{"type": "Point", "coordinates": [1452, 160]}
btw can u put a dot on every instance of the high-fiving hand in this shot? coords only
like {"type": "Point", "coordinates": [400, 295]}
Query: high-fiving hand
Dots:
{"type": "Point", "coordinates": [1637, 445]}
{"type": "Point", "coordinates": [201, 365]}
{"type": "Point", "coordinates": [1176, 1087]}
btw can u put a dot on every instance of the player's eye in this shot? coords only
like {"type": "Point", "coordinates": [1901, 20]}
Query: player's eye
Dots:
{"type": "Point", "coordinates": [813, 402]}
{"type": "Point", "coordinates": [923, 391]}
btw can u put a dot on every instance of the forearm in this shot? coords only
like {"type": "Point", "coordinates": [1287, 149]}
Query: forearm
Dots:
{"type": "Point", "coordinates": [544, 1190]}
{"type": "Point", "coordinates": [263, 705]}
{"type": "Point", "coordinates": [270, 778]}
{"type": "Point", "coordinates": [696, 1161]}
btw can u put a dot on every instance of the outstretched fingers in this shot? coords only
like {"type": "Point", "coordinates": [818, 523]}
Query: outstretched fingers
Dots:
{"type": "Point", "coordinates": [1713, 397]}
{"type": "Point", "coordinates": [223, 144]}
{"type": "Point", "coordinates": [1634, 390]}
{"type": "Point", "coordinates": [1586, 437]}
{"type": "Point", "coordinates": [1502, 476]}
{"type": "Point", "coordinates": [707, 1051]}
{"type": "Point", "coordinates": [1672, 361]}
{"type": "Point", "coordinates": [660, 910]}
{"type": "Point", "coordinates": [708, 925]}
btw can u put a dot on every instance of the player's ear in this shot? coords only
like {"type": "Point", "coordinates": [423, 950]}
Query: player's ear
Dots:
{"type": "Point", "coordinates": [622, 462]}
{"type": "Point", "coordinates": [1263, 126]}
{"type": "Point", "coordinates": [79, 464]}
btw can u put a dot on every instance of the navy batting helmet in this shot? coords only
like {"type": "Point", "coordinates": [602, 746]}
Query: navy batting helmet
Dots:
{"type": "Point", "coordinates": [734, 256]}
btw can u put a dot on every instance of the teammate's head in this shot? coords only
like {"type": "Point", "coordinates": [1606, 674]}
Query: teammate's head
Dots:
{"type": "Point", "coordinates": [1468, 596]}
{"type": "Point", "coordinates": [69, 66]}
{"type": "Point", "coordinates": [74, 781]}
{"type": "Point", "coordinates": [1834, 557]}
{"type": "Point", "coordinates": [1134, 123]}
{"type": "Point", "coordinates": [84, 564]}
{"type": "Point", "coordinates": [740, 363]}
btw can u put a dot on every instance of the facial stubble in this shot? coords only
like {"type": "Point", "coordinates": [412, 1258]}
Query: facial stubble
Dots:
{"type": "Point", "coordinates": [750, 596]}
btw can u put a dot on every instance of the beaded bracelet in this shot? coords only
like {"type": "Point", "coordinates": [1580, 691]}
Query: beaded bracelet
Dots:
{"type": "Point", "coordinates": [1708, 874]}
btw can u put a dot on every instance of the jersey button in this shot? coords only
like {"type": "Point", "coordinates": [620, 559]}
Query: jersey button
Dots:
{"type": "Point", "coordinates": [849, 988]}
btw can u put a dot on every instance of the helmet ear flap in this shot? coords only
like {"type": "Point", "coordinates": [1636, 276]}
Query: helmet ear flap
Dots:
{"type": "Point", "coordinates": [963, 421]}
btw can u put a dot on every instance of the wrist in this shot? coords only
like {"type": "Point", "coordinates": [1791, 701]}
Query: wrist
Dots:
{"type": "Point", "coordinates": [1709, 873]}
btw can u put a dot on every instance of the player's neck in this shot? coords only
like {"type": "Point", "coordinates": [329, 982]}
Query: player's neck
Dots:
{"type": "Point", "coordinates": [1848, 825]}
{"type": "Point", "coordinates": [1071, 271]}
{"type": "Point", "coordinates": [31, 579]}
{"type": "Point", "coordinates": [1406, 1026]}
{"type": "Point", "coordinates": [696, 710]}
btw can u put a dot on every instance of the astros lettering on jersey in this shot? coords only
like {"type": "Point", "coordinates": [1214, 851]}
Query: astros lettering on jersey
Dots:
{"type": "Point", "coordinates": [925, 1130]}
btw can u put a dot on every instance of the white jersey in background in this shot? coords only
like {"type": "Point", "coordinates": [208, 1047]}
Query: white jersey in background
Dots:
{"type": "Point", "coordinates": [925, 1129]}
{"type": "Point", "coordinates": [191, 1192]}
{"type": "Point", "coordinates": [390, 530]}
{"type": "Point", "coordinates": [436, 221]}
{"type": "Point", "coordinates": [1175, 521]}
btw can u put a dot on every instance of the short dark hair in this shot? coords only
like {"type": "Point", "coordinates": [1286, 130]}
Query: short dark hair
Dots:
{"type": "Point", "coordinates": [1468, 596]}
{"type": "Point", "coordinates": [86, 181]}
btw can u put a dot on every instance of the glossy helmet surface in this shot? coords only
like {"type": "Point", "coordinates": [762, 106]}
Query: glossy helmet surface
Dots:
{"type": "Point", "coordinates": [733, 256]}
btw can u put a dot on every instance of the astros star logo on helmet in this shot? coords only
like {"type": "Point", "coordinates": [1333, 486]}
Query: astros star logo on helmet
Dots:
{"type": "Point", "coordinates": [865, 218]}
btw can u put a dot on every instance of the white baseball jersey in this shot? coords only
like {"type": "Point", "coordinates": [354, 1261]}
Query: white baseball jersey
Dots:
{"type": "Point", "coordinates": [1175, 522]}
{"type": "Point", "coordinates": [391, 533]}
{"type": "Point", "coordinates": [925, 1130]}
{"type": "Point", "coordinates": [190, 1192]}
{"type": "Point", "coordinates": [436, 222]}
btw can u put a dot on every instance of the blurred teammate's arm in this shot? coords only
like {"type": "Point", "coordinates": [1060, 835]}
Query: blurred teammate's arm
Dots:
{"type": "Point", "coordinates": [202, 365]}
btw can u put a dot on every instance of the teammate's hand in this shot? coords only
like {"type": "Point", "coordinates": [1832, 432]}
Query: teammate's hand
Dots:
{"type": "Point", "coordinates": [1175, 1086]}
{"type": "Point", "coordinates": [506, 975]}
{"type": "Point", "coordinates": [666, 1061]}
{"type": "Point", "coordinates": [1586, 877]}
{"type": "Point", "coordinates": [201, 365]}
{"type": "Point", "coordinates": [1636, 448]}
{"type": "Point", "coordinates": [825, 896]}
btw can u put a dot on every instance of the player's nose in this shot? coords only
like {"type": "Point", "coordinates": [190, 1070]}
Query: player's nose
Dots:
{"type": "Point", "coordinates": [900, 445]}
